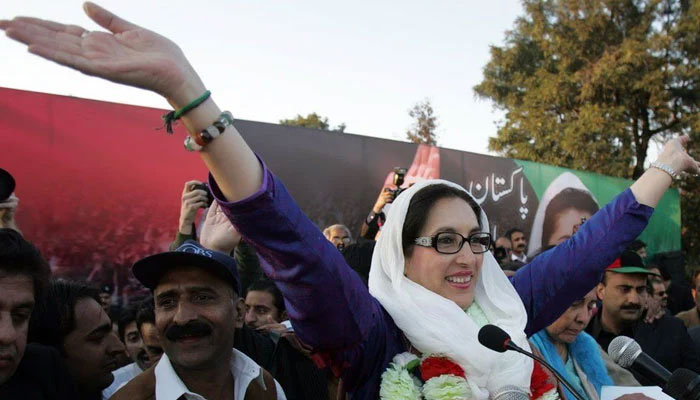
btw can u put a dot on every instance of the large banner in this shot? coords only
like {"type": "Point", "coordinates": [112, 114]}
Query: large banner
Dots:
{"type": "Point", "coordinates": [100, 183]}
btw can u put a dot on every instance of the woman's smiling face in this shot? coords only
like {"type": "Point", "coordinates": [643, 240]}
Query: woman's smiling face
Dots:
{"type": "Point", "coordinates": [452, 276]}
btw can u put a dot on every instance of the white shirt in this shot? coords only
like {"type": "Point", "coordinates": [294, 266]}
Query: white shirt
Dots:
{"type": "Point", "coordinates": [121, 377]}
{"type": "Point", "coordinates": [169, 386]}
{"type": "Point", "coordinates": [522, 259]}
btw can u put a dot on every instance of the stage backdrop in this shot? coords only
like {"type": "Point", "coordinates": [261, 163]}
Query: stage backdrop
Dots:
{"type": "Point", "coordinates": [100, 183]}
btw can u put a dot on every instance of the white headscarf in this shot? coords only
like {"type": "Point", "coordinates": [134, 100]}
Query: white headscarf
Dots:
{"type": "Point", "coordinates": [564, 181]}
{"type": "Point", "coordinates": [436, 325]}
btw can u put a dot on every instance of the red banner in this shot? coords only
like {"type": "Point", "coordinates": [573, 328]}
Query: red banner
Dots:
{"type": "Point", "coordinates": [98, 184]}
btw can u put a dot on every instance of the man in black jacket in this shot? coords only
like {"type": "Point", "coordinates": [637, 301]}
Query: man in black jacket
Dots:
{"type": "Point", "coordinates": [624, 292]}
{"type": "Point", "coordinates": [26, 371]}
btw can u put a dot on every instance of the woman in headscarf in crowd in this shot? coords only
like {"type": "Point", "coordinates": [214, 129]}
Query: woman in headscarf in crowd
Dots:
{"type": "Point", "coordinates": [576, 355]}
{"type": "Point", "coordinates": [432, 283]}
{"type": "Point", "coordinates": [563, 207]}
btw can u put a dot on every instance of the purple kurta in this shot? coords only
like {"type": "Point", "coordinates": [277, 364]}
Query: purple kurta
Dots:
{"type": "Point", "coordinates": [332, 311]}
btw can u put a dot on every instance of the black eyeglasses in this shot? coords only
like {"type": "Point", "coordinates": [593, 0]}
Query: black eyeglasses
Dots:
{"type": "Point", "coordinates": [452, 242]}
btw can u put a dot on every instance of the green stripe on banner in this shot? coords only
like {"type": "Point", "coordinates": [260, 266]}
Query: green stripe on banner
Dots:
{"type": "Point", "coordinates": [664, 230]}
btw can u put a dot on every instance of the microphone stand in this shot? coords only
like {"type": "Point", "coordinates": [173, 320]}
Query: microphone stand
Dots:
{"type": "Point", "coordinates": [561, 379]}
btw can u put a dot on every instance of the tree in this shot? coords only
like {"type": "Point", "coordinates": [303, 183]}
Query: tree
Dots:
{"type": "Point", "coordinates": [423, 129]}
{"type": "Point", "coordinates": [313, 121]}
{"type": "Point", "coordinates": [588, 84]}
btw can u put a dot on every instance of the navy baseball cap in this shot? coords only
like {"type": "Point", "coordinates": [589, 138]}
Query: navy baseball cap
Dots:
{"type": "Point", "coordinates": [7, 185]}
{"type": "Point", "coordinates": [149, 270]}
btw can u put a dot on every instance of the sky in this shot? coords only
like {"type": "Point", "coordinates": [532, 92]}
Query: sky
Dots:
{"type": "Point", "coordinates": [362, 63]}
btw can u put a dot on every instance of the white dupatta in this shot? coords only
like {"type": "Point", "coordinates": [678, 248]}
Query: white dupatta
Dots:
{"type": "Point", "coordinates": [435, 325]}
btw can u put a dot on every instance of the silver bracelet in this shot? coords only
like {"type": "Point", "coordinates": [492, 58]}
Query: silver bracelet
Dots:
{"type": "Point", "coordinates": [667, 169]}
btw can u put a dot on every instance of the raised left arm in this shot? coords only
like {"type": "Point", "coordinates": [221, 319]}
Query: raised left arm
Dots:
{"type": "Point", "coordinates": [564, 274]}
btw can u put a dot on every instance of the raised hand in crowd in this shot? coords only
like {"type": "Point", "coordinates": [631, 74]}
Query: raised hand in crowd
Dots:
{"type": "Point", "coordinates": [137, 57]}
{"type": "Point", "coordinates": [270, 325]}
{"type": "Point", "coordinates": [193, 199]}
{"type": "Point", "coordinates": [386, 196]}
{"type": "Point", "coordinates": [425, 165]}
{"type": "Point", "coordinates": [652, 185]}
{"type": "Point", "coordinates": [129, 54]}
{"type": "Point", "coordinates": [8, 210]}
{"type": "Point", "coordinates": [376, 217]}
{"type": "Point", "coordinates": [217, 232]}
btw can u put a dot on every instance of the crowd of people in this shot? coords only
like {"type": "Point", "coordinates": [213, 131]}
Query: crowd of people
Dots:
{"type": "Point", "coordinates": [258, 303]}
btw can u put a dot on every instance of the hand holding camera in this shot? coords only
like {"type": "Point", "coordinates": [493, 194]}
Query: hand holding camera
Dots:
{"type": "Point", "coordinates": [386, 196]}
{"type": "Point", "coordinates": [195, 195]}
{"type": "Point", "coordinates": [399, 179]}
{"type": "Point", "coordinates": [390, 190]}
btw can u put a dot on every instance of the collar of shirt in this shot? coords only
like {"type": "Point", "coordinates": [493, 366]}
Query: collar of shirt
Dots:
{"type": "Point", "coordinates": [131, 370]}
{"type": "Point", "coordinates": [121, 377]}
{"type": "Point", "coordinates": [169, 386]}
{"type": "Point", "coordinates": [514, 257]}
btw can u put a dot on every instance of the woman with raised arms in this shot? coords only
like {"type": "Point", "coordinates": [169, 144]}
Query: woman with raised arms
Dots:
{"type": "Point", "coordinates": [432, 283]}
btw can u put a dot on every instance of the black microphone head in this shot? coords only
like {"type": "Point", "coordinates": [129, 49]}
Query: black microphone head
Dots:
{"type": "Point", "coordinates": [494, 338]}
{"type": "Point", "coordinates": [624, 350]}
{"type": "Point", "coordinates": [681, 383]}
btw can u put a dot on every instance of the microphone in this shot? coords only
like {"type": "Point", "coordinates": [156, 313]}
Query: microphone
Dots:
{"type": "Point", "coordinates": [628, 354]}
{"type": "Point", "coordinates": [510, 392]}
{"type": "Point", "coordinates": [683, 384]}
{"type": "Point", "coordinates": [496, 339]}
{"type": "Point", "coordinates": [499, 340]}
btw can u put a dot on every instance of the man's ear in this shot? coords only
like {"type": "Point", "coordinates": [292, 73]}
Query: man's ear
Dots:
{"type": "Point", "coordinates": [600, 290]}
{"type": "Point", "coordinates": [284, 316]}
{"type": "Point", "coordinates": [239, 321]}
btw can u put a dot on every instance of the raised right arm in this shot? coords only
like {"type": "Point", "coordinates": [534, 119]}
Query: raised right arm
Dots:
{"type": "Point", "coordinates": [328, 304]}
{"type": "Point", "coordinates": [137, 57]}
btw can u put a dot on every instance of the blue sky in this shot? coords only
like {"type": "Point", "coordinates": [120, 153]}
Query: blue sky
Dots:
{"type": "Point", "coordinates": [364, 63]}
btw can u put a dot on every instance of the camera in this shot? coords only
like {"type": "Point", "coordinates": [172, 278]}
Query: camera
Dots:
{"type": "Point", "coordinates": [399, 176]}
{"type": "Point", "coordinates": [500, 254]}
{"type": "Point", "coordinates": [202, 186]}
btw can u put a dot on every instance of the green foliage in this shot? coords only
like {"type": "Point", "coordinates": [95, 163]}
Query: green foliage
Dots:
{"type": "Point", "coordinates": [313, 121]}
{"type": "Point", "coordinates": [587, 84]}
{"type": "Point", "coordinates": [423, 129]}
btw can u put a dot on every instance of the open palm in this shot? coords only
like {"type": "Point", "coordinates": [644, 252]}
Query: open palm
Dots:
{"type": "Point", "coordinates": [425, 166]}
{"type": "Point", "coordinates": [130, 55]}
{"type": "Point", "coordinates": [217, 231]}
